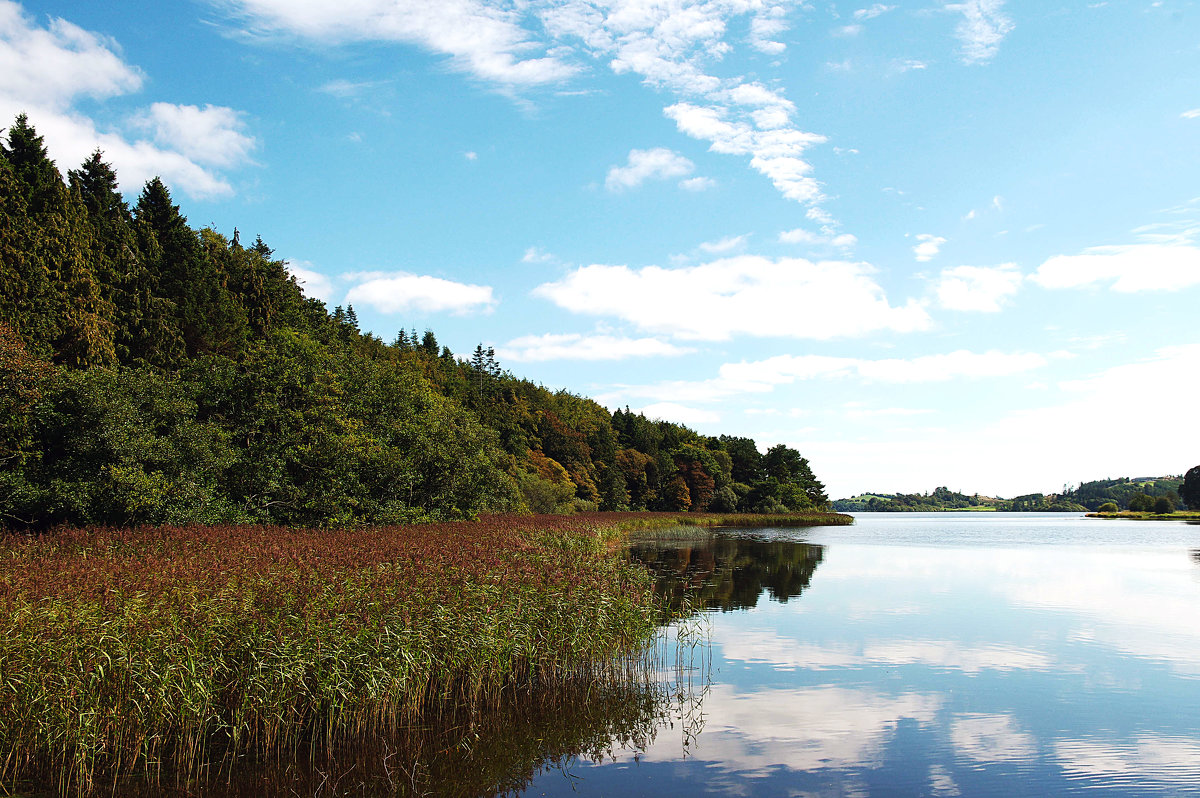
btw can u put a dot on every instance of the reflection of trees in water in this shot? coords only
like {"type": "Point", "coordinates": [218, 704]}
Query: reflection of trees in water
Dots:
{"type": "Point", "coordinates": [457, 754]}
{"type": "Point", "coordinates": [1196, 555]}
{"type": "Point", "coordinates": [728, 572]}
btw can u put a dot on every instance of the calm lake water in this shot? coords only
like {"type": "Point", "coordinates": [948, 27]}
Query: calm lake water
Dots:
{"type": "Point", "coordinates": [921, 654]}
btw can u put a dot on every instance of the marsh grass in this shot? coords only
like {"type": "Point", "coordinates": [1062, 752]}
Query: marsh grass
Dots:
{"type": "Point", "coordinates": [135, 650]}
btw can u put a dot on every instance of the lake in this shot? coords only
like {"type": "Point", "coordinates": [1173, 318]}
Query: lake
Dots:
{"type": "Point", "coordinates": [932, 654]}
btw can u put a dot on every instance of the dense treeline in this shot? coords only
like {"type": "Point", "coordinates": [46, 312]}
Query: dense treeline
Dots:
{"type": "Point", "coordinates": [154, 373]}
{"type": "Point", "coordinates": [1125, 494]}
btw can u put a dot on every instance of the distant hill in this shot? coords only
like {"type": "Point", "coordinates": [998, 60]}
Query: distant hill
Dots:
{"type": "Point", "coordinates": [1086, 497]}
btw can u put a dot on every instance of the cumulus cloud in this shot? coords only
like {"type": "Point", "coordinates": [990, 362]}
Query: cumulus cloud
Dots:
{"type": "Point", "coordinates": [573, 346]}
{"type": "Point", "coordinates": [981, 30]}
{"type": "Point", "coordinates": [775, 152]}
{"type": "Point", "coordinates": [656, 164]}
{"type": "Point", "coordinates": [314, 283]}
{"type": "Point", "coordinates": [927, 247]}
{"type": "Point", "coordinates": [399, 292]}
{"type": "Point", "coordinates": [1127, 269]}
{"type": "Point", "coordinates": [50, 67]}
{"type": "Point", "coordinates": [211, 135]}
{"type": "Point", "coordinates": [47, 70]}
{"type": "Point", "coordinates": [788, 297]}
{"type": "Point", "coordinates": [979, 288]}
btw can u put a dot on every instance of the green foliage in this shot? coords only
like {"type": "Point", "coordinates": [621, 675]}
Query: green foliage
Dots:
{"type": "Point", "coordinates": [1141, 503]}
{"type": "Point", "coordinates": [198, 384]}
{"type": "Point", "coordinates": [1189, 490]}
{"type": "Point", "coordinates": [1108, 507]}
{"type": "Point", "coordinates": [1164, 505]}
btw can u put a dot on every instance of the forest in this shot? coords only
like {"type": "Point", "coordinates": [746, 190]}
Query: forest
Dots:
{"type": "Point", "coordinates": [155, 373]}
{"type": "Point", "coordinates": [1138, 494]}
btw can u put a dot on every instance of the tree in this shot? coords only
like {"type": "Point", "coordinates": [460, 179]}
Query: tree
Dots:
{"type": "Point", "coordinates": [1189, 491]}
{"type": "Point", "coordinates": [1108, 507]}
{"type": "Point", "coordinates": [1163, 505]}
{"type": "Point", "coordinates": [1141, 503]}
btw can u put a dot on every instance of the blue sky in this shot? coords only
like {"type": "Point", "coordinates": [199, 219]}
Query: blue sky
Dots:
{"type": "Point", "coordinates": [926, 243]}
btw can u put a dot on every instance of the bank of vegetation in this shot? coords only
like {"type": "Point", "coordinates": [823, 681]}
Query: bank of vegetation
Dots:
{"type": "Point", "coordinates": [152, 373]}
{"type": "Point", "coordinates": [1137, 495]}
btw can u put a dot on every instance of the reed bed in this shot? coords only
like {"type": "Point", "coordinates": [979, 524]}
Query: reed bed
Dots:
{"type": "Point", "coordinates": [159, 649]}
{"type": "Point", "coordinates": [124, 650]}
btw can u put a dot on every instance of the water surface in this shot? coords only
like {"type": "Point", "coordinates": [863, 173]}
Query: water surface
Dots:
{"type": "Point", "coordinates": [923, 654]}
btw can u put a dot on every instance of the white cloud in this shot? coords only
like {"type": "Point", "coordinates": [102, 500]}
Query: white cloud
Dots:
{"type": "Point", "coordinates": [1192, 114]}
{"type": "Point", "coordinates": [697, 184]}
{"type": "Point", "coordinates": [211, 135]}
{"type": "Point", "coordinates": [315, 284]}
{"type": "Point", "coordinates": [398, 292]}
{"type": "Point", "coordinates": [848, 30]}
{"type": "Point", "coordinates": [788, 297]}
{"type": "Point", "coordinates": [47, 70]}
{"type": "Point", "coordinates": [724, 245]}
{"type": "Point", "coordinates": [982, 29]}
{"type": "Point", "coordinates": [536, 255]}
{"type": "Point", "coordinates": [656, 164]}
{"type": "Point", "coordinates": [775, 153]}
{"type": "Point", "coordinates": [1129, 269]}
{"type": "Point", "coordinates": [928, 246]}
{"type": "Point", "coordinates": [681, 414]}
{"type": "Point", "coordinates": [826, 238]}
{"type": "Point", "coordinates": [872, 12]}
{"type": "Point", "coordinates": [482, 39]}
{"type": "Point", "coordinates": [977, 288]}
{"type": "Point", "coordinates": [346, 89]}
{"type": "Point", "coordinates": [666, 44]}
{"type": "Point", "coordinates": [51, 67]}
{"type": "Point", "coordinates": [784, 369]}
{"type": "Point", "coordinates": [573, 346]}
{"type": "Point", "coordinates": [763, 376]}
{"type": "Point", "coordinates": [766, 26]}
{"type": "Point", "coordinates": [471, 155]}
{"type": "Point", "coordinates": [886, 412]}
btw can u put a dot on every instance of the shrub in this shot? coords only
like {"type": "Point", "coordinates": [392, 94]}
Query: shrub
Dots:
{"type": "Point", "coordinates": [1109, 507]}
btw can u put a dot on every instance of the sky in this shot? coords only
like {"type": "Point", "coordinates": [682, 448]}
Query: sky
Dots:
{"type": "Point", "coordinates": [926, 243]}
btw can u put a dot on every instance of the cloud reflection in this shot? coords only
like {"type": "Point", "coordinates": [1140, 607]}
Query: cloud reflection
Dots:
{"type": "Point", "coordinates": [766, 646]}
{"type": "Point", "coordinates": [1171, 760]}
{"type": "Point", "coordinates": [800, 729]}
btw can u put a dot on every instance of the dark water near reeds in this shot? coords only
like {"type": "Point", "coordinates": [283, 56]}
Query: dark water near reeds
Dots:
{"type": "Point", "coordinates": [910, 654]}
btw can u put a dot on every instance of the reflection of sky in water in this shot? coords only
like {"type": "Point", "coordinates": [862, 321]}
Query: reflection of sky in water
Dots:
{"type": "Point", "coordinates": [1006, 655]}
